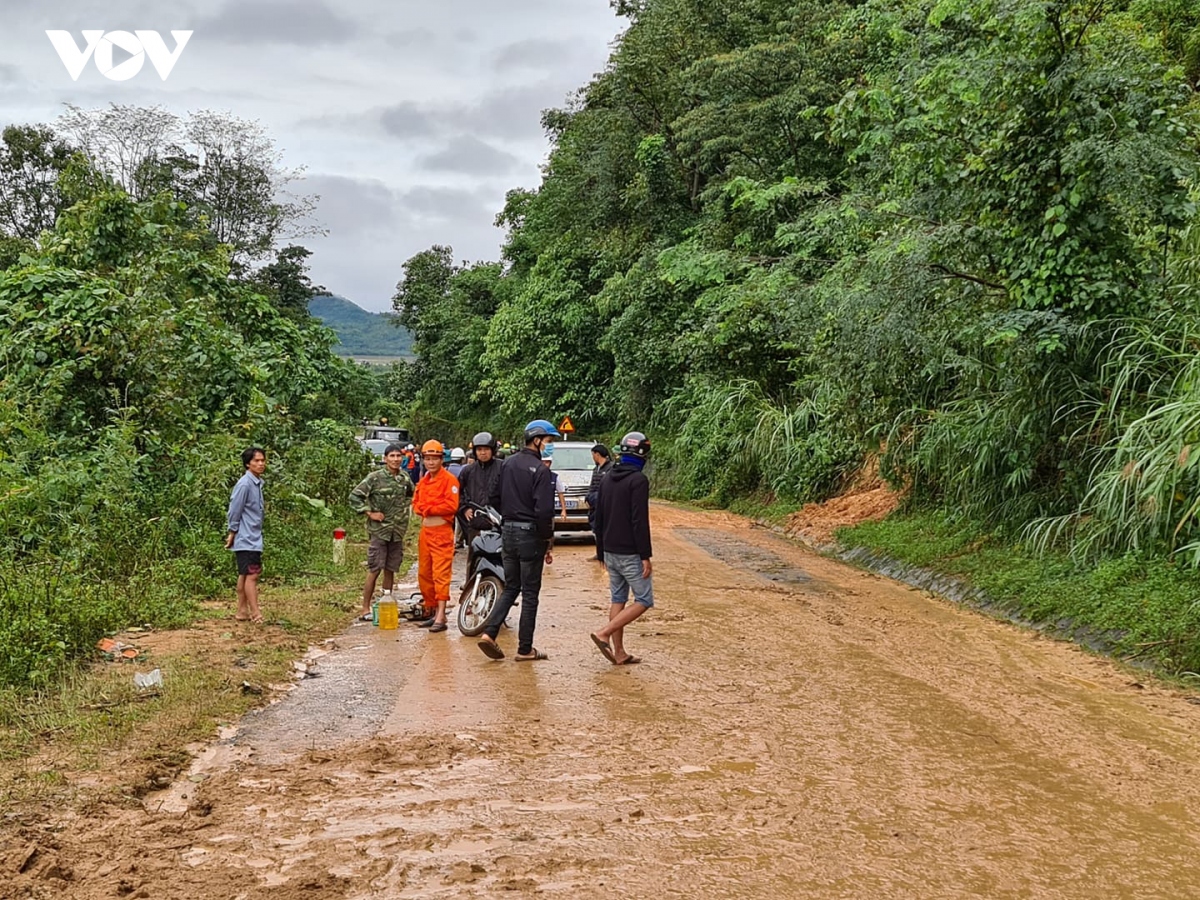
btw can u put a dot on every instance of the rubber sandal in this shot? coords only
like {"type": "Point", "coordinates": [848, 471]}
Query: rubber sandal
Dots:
{"type": "Point", "coordinates": [628, 661]}
{"type": "Point", "coordinates": [603, 647]}
{"type": "Point", "coordinates": [491, 649]}
{"type": "Point", "coordinates": [365, 617]}
{"type": "Point", "coordinates": [437, 626]}
{"type": "Point", "coordinates": [537, 654]}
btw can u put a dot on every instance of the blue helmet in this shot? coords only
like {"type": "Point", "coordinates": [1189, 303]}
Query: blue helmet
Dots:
{"type": "Point", "coordinates": [540, 428]}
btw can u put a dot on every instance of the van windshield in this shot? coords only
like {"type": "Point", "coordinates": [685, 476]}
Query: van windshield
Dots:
{"type": "Point", "coordinates": [572, 458]}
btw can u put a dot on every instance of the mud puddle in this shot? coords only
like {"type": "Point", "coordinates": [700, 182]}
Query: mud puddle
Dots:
{"type": "Point", "coordinates": [738, 553]}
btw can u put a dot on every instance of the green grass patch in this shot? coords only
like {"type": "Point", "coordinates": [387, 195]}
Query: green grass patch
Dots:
{"type": "Point", "coordinates": [1133, 606]}
{"type": "Point", "coordinates": [91, 725]}
{"type": "Point", "coordinates": [766, 507]}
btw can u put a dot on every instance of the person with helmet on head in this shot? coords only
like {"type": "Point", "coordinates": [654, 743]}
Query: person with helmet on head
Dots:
{"type": "Point", "coordinates": [458, 459]}
{"type": "Point", "coordinates": [436, 502]}
{"type": "Point", "coordinates": [548, 462]}
{"type": "Point", "coordinates": [476, 483]}
{"type": "Point", "coordinates": [623, 542]}
{"type": "Point", "coordinates": [412, 465]}
{"type": "Point", "coordinates": [458, 462]}
{"type": "Point", "coordinates": [524, 495]}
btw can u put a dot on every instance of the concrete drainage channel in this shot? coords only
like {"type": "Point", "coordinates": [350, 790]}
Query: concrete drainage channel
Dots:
{"type": "Point", "coordinates": [961, 593]}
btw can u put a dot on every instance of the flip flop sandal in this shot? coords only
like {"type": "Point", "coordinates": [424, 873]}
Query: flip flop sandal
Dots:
{"type": "Point", "coordinates": [628, 661]}
{"type": "Point", "coordinates": [537, 654]}
{"type": "Point", "coordinates": [603, 647]}
{"type": "Point", "coordinates": [365, 617]}
{"type": "Point", "coordinates": [491, 649]}
{"type": "Point", "coordinates": [436, 627]}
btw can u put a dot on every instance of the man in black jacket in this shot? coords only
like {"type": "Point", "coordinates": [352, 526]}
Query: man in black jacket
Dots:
{"type": "Point", "coordinates": [524, 495]}
{"type": "Point", "coordinates": [476, 483]}
{"type": "Point", "coordinates": [623, 542]}
{"type": "Point", "coordinates": [602, 458]}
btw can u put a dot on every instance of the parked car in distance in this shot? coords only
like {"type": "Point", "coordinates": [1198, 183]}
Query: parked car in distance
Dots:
{"type": "Point", "coordinates": [375, 447]}
{"type": "Point", "coordinates": [389, 434]}
{"type": "Point", "coordinates": [573, 464]}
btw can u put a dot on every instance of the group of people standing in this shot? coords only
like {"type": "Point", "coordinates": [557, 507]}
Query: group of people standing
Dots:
{"type": "Point", "coordinates": [522, 489]}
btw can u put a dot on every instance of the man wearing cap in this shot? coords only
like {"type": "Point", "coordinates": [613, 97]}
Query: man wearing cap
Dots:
{"type": "Point", "coordinates": [524, 495]}
{"type": "Point", "coordinates": [436, 502]}
{"type": "Point", "coordinates": [383, 497]}
{"type": "Point", "coordinates": [603, 460]}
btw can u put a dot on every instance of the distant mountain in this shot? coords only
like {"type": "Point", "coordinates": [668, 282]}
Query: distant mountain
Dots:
{"type": "Point", "coordinates": [360, 333]}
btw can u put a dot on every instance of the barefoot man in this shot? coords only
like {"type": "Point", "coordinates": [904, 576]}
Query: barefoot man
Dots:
{"type": "Point", "coordinates": [245, 538]}
{"type": "Point", "coordinates": [623, 543]}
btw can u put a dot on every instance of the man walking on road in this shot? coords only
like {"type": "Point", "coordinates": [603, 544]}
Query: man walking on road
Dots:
{"type": "Point", "coordinates": [623, 542]}
{"type": "Point", "coordinates": [383, 496]}
{"type": "Point", "coordinates": [436, 502]}
{"type": "Point", "coordinates": [524, 495]}
{"type": "Point", "coordinates": [245, 524]}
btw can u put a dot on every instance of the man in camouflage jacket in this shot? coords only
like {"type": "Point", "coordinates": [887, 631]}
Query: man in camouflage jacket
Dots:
{"type": "Point", "coordinates": [384, 497]}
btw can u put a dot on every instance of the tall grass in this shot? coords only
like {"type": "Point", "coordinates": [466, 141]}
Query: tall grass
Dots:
{"type": "Point", "coordinates": [732, 440]}
{"type": "Point", "coordinates": [1144, 489]}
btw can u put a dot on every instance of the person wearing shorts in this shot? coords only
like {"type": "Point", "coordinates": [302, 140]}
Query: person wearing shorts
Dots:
{"type": "Point", "coordinates": [245, 523]}
{"type": "Point", "coordinates": [383, 497]}
{"type": "Point", "coordinates": [622, 530]}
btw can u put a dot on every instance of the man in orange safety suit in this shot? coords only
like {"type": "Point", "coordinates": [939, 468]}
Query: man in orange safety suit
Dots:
{"type": "Point", "coordinates": [436, 502]}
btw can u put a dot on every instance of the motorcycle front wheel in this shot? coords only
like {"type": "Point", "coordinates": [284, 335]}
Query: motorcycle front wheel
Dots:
{"type": "Point", "coordinates": [477, 605]}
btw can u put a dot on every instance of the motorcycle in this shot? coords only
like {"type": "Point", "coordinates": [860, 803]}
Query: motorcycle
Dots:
{"type": "Point", "coordinates": [485, 574]}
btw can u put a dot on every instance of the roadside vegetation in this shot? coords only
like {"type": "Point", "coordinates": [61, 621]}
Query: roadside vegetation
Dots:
{"type": "Point", "coordinates": [957, 235]}
{"type": "Point", "coordinates": [151, 327]}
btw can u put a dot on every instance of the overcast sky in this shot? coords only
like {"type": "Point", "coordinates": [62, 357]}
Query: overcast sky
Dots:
{"type": "Point", "coordinates": [411, 119]}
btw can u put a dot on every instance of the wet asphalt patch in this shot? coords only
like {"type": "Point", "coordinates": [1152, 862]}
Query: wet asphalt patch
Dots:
{"type": "Point", "coordinates": [740, 554]}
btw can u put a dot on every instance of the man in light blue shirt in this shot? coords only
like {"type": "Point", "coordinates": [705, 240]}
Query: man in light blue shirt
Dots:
{"type": "Point", "coordinates": [245, 522]}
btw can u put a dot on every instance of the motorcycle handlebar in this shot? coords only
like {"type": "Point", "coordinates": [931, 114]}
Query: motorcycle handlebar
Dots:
{"type": "Point", "coordinates": [492, 515]}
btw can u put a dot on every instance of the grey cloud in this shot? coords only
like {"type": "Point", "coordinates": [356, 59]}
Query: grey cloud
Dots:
{"type": "Point", "coordinates": [446, 203]}
{"type": "Point", "coordinates": [414, 37]}
{"type": "Point", "coordinates": [9, 74]}
{"type": "Point", "coordinates": [514, 112]}
{"type": "Point", "coordinates": [533, 53]}
{"type": "Point", "coordinates": [301, 22]}
{"type": "Point", "coordinates": [468, 155]}
{"type": "Point", "coordinates": [409, 120]}
{"type": "Point", "coordinates": [351, 205]}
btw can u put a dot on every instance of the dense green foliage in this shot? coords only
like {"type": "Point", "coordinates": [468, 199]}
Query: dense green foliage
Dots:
{"type": "Point", "coordinates": [360, 333]}
{"type": "Point", "coordinates": [135, 365]}
{"type": "Point", "coordinates": [784, 235]}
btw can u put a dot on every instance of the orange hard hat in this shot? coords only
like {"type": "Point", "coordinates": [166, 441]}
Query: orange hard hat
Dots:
{"type": "Point", "coordinates": [432, 447]}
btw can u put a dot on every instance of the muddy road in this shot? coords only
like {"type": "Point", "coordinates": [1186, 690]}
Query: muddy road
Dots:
{"type": "Point", "coordinates": [798, 729]}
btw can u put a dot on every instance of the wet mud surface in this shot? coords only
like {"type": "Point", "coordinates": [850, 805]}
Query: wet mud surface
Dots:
{"type": "Point", "coordinates": [798, 729]}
